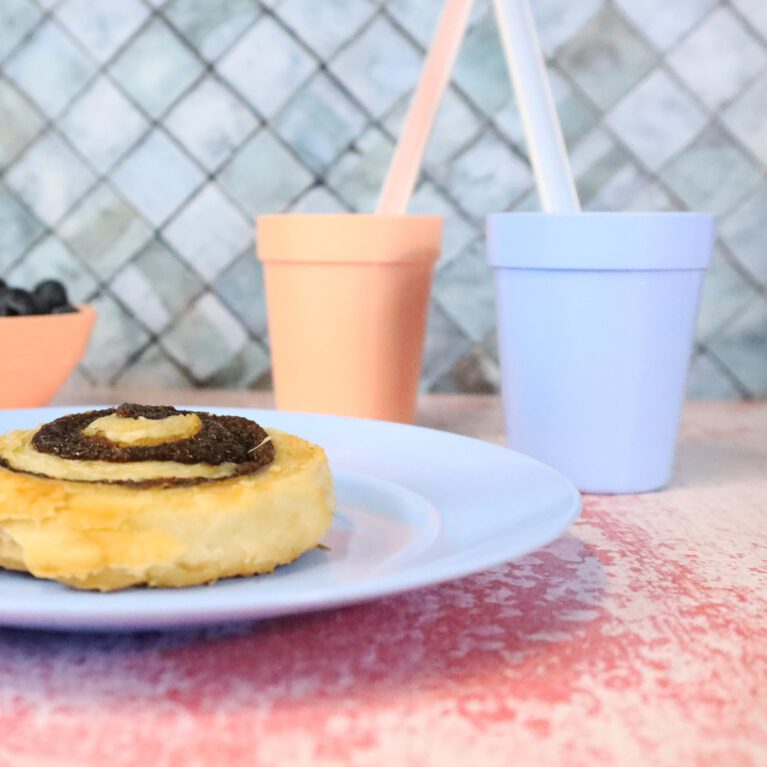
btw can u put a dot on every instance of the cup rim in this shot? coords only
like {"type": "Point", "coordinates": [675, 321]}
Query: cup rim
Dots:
{"type": "Point", "coordinates": [601, 240]}
{"type": "Point", "coordinates": [593, 214]}
{"type": "Point", "coordinates": [372, 217]}
{"type": "Point", "coordinates": [349, 238]}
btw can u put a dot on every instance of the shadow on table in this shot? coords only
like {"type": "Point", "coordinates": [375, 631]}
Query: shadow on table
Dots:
{"type": "Point", "coordinates": [538, 617]}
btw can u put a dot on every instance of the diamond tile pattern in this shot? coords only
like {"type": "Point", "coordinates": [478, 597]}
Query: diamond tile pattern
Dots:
{"type": "Point", "coordinates": [488, 176]}
{"type": "Point", "coordinates": [211, 27]}
{"type": "Point", "coordinates": [744, 117]}
{"type": "Point", "coordinates": [209, 233]}
{"type": "Point", "coordinates": [156, 286]}
{"type": "Point", "coordinates": [739, 56]}
{"type": "Point", "coordinates": [756, 12]}
{"type": "Point", "coordinates": [83, 124]}
{"type": "Point", "coordinates": [241, 288]}
{"type": "Point", "coordinates": [245, 370]}
{"type": "Point", "coordinates": [19, 228]}
{"type": "Point", "coordinates": [49, 258]}
{"type": "Point", "coordinates": [743, 233]}
{"type": "Point", "coordinates": [378, 67]}
{"type": "Point", "coordinates": [334, 22]}
{"type": "Point", "coordinates": [664, 23]}
{"type": "Point", "coordinates": [157, 177]}
{"type": "Point", "coordinates": [712, 173]}
{"type": "Point", "coordinates": [267, 65]}
{"type": "Point", "coordinates": [281, 176]}
{"type": "Point", "coordinates": [50, 86]}
{"type": "Point", "coordinates": [117, 338]}
{"type": "Point", "coordinates": [656, 119]}
{"type": "Point", "coordinates": [465, 290]}
{"type": "Point", "coordinates": [480, 70]}
{"type": "Point", "coordinates": [104, 231]}
{"type": "Point", "coordinates": [156, 67]}
{"type": "Point", "coordinates": [726, 294]}
{"type": "Point", "coordinates": [358, 174]}
{"type": "Point", "coordinates": [559, 20]}
{"type": "Point", "coordinates": [102, 28]}
{"type": "Point", "coordinates": [139, 138]}
{"type": "Point", "coordinates": [20, 120]}
{"type": "Point", "coordinates": [208, 325]}
{"type": "Point", "coordinates": [17, 18]}
{"type": "Point", "coordinates": [211, 122]}
{"type": "Point", "coordinates": [319, 122]}
{"type": "Point", "coordinates": [154, 366]}
{"type": "Point", "coordinates": [49, 177]}
{"type": "Point", "coordinates": [606, 57]}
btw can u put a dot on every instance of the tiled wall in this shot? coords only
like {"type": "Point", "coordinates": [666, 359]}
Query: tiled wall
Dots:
{"type": "Point", "coordinates": [138, 138]}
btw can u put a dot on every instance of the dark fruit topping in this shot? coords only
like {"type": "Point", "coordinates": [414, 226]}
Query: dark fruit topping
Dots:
{"type": "Point", "coordinates": [16, 302]}
{"type": "Point", "coordinates": [50, 295]}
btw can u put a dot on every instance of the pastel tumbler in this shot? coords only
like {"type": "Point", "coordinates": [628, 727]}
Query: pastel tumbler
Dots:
{"type": "Point", "coordinates": [596, 320]}
{"type": "Point", "coordinates": [347, 299]}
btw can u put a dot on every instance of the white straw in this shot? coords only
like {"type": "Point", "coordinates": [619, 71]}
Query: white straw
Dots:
{"type": "Point", "coordinates": [543, 133]}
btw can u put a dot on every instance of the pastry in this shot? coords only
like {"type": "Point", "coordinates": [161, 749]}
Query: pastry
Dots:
{"type": "Point", "coordinates": [153, 495]}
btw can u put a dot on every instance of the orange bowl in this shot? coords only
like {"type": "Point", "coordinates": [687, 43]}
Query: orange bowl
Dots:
{"type": "Point", "coordinates": [38, 353]}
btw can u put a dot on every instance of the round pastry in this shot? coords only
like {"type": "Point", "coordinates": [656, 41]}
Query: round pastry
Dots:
{"type": "Point", "coordinates": [153, 495]}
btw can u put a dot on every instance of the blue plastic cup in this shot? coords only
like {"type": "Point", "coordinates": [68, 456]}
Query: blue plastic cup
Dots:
{"type": "Point", "coordinates": [596, 320]}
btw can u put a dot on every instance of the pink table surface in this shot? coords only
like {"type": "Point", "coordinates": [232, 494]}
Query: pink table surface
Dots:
{"type": "Point", "coordinates": [638, 638]}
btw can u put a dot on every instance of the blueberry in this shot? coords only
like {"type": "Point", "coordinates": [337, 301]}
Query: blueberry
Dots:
{"type": "Point", "coordinates": [15, 302]}
{"type": "Point", "coordinates": [48, 295]}
{"type": "Point", "coordinates": [65, 309]}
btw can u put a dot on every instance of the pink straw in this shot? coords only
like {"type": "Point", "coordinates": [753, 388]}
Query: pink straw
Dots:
{"type": "Point", "coordinates": [408, 155]}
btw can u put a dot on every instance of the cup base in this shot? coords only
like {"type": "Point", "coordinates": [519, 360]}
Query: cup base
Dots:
{"type": "Point", "coordinates": [632, 489]}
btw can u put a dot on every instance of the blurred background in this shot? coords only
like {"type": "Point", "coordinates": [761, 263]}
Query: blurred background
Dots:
{"type": "Point", "coordinates": [139, 138]}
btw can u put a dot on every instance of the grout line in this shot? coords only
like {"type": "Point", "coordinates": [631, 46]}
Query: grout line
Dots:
{"type": "Point", "coordinates": [737, 384]}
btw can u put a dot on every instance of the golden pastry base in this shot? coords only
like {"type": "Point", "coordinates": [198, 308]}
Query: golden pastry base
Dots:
{"type": "Point", "coordinates": [107, 537]}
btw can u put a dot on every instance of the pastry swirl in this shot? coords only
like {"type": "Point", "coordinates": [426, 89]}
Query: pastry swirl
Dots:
{"type": "Point", "coordinates": [197, 448]}
{"type": "Point", "coordinates": [221, 439]}
{"type": "Point", "coordinates": [139, 495]}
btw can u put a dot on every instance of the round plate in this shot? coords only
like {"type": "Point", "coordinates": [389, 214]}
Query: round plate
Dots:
{"type": "Point", "coordinates": [415, 507]}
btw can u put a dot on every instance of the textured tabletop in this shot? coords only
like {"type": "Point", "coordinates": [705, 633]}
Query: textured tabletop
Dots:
{"type": "Point", "coordinates": [638, 638]}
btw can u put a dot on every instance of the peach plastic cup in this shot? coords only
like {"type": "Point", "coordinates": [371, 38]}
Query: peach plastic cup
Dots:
{"type": "Point", "coordinates": [347, 297]}
{"type": "Point", "coordinates": [38, 353]}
